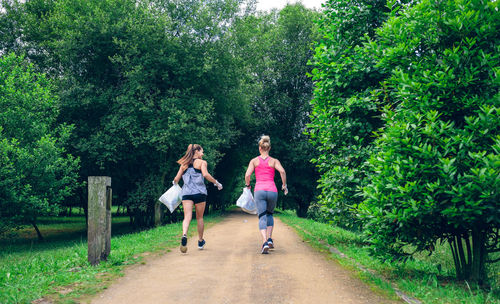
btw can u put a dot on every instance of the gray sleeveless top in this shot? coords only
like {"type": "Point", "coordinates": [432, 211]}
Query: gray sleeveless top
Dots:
{"type": "Point", "coordinates": [194, 182]}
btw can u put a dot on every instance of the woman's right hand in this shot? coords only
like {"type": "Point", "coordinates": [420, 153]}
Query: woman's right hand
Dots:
{"type": "Point", "coordinates": [285, 189]}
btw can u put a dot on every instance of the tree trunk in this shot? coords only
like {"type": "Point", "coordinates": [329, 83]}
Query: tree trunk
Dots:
{"type": "Point", "coordinates": [463, 261]}
{"type": "Point", "coordinates": [454, 252]}
{"type": "Point", "coordinates": [302, 209]}
{"type": "Point", "coordinates": [40, 237]}
{"type": "Point", "coordinates": [130, 216]}
{"type": "Point", "coordinates": [469, 253]}
{"type": "Point", "coordinates": [84, 204]}
{"type": "Point", "coordinates": [478, 271]}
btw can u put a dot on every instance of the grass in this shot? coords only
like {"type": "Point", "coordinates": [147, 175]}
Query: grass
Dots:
{"type": "Point", "coordinates": [420, 278]}
{"type": "Point", "coordinates": [57, 268]}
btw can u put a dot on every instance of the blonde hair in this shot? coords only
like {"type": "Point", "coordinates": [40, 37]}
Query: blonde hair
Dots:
{"type": "Point", "coordinates": [188, 157]}
{"type": "Point", "coordinates": [265, 142]}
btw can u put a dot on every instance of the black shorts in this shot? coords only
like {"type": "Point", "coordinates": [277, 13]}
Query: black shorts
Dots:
{"type": "Point", "coordinates": [196, 198]}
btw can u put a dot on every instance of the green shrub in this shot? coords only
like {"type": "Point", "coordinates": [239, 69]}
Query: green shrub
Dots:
{"type": "Point", "coordinates": [436, 173]}
{"type": "Point", "coordinates": [345, 111]}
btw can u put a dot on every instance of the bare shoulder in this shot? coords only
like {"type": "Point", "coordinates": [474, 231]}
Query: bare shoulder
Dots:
{"type": "Point", "coordinates": [273, 161]}
{"type": "Point", "coordinates": [198, 163]}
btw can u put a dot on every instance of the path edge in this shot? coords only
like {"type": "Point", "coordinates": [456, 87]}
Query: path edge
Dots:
{"type": "Point", "coordinates": [338, 255]}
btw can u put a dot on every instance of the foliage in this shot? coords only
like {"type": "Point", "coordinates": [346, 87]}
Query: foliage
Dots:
{"type": "Point", "coordinates": [345, 109]}
{"type": "Point", "coordinates": [436, 173]}
{"type": "Point", "coordinates": [276, 48]}
{"type": "Point", "coordinates": [427, 79]}
{"type": "Point", "coordinates": [36, 173]}
{"type": "Point", "coordinates": [140, 81]}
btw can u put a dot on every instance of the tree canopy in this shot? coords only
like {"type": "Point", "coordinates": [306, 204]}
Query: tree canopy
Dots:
{"type": "Point", "coordinates": [140, 80]}
{"type": "Point", "coordinates": [36, 173]}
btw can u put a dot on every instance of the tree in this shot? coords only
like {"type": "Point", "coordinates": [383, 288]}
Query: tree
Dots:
{"type": "Point", "coordinates": [140, 81]}
{"type": "Point", "coordinates": [346, 105]}
{"type": "Point", "coordinates": [436, 172]}
{"type": "Point", "coordinates": [36, 172]}
{"type": "Point", "coordinates": [276, 48]}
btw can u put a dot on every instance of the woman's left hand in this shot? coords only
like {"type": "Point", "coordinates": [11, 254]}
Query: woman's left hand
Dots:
{"type": "Point", "coordinates": [218, 185]}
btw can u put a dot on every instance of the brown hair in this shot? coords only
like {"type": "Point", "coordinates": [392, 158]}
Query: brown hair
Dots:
{"type": "Point", "coordinates": [265, 142]}
{"type": "Point", "coordinates": [188, 157]}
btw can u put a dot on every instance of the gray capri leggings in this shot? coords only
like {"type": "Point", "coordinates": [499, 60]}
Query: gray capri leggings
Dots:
{"type": "Point", "coordinates": [266, 202]}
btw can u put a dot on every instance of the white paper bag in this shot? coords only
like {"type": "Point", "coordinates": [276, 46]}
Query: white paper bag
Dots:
{"type": "Point", "coordinates": [172, 198]}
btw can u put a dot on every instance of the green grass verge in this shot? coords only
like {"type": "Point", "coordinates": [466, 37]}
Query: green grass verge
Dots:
{"type": "Point", "coordinates": [421, 277]}
{"type": "Point", "coordinates": [57, 268]}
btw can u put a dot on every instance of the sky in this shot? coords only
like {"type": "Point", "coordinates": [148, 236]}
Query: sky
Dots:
{"type": "Point", "coordinates": [265, 5]}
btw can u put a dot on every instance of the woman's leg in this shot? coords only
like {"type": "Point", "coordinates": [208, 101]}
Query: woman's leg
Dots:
{"type": "Point", "coordinates": [272, 198]}
{"type": "Point", "coordinates": [261, 202]}
{"type": "Point", "coordinates": [188, 215]}
{"type": "Point", "coordinates": [200, 209]}
{"type": "Point", "coordinates": [269, 232]}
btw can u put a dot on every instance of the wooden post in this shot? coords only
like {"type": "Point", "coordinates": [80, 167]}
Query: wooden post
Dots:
{"type": "Point", "coordinates": [107, 245]}
{"type": "Point", "coordinates": [99, 218]}
{"type": "Point", "coordinates": [159, 210]}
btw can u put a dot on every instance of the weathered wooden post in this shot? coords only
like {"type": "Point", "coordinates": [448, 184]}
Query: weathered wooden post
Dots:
{"type": "Point", "coordinates": [158, 213]}
{"type": "Point", "coordinates": [99, 218]}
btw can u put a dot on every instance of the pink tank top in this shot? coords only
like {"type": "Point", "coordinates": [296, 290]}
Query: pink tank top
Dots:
{"type": "Point", "coordinates": [264, 175]}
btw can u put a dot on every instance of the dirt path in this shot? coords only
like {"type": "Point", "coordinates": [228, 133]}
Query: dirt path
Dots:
{"type": "Point", "coordinates": [232, 270]}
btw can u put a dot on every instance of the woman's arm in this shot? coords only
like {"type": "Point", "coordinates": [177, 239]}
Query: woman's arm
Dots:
{"type": "Point", "coordinates": [177, 178]}
{"type": "Point", "coordinates": [249, 172]}
{"type": "Point", "coordinates": [205, 173]}
{"type": "Point", "coordinates": [281, 170]}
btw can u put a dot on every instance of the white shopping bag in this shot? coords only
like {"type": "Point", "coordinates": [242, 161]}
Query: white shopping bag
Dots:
{"type": "Point", "coordinates": [172, 198]}
{"type": "Point", "coordinates": [246, 202]}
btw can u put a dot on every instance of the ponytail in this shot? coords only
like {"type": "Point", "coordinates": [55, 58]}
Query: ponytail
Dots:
{"type": "Point", "coordinates": [188, 157]}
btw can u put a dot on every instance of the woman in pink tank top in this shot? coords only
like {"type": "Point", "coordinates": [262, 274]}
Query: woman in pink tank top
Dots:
{"type": "Point", "coordinates": [265, 192]}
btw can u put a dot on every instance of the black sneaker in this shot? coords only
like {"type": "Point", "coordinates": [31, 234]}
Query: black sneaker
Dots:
{"type": "Point", "coordinates": [184, 242]}
{"type": "Point", "coordinates": [270, 243]}
{"type": "Point", "coordinates": [201, 244]}
{"type": "Point", "coordinates": [265, 248]}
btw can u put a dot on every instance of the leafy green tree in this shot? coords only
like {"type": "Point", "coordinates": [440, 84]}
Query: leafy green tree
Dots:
{"type": "Point", "coordinates": [275, 48]}
{"type": "Point", "coordinates": [140, 81]}
{"type": "Point", "coordinates": [36, 173]}
{"type": "Point", "coordinates": [346, 105]}
{"type": "Point", "coordinates": [284, 104]}
{"type": "Point", "coordinates": [436, 173]}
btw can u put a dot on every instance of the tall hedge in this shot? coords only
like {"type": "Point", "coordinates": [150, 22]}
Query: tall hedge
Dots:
{"type": "Point", "coordinates": [436, 175]}
{"type": "Point", "coordinates": [345, 110]}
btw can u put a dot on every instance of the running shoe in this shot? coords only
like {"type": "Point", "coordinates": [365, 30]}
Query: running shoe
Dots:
{"type": "Point", "coordinates": [270, 243]}
{"type": "Point", "coordinates": [201, 244]}
{"type": "Point", "coordinates": [265, 248]}
{"type": "Point", "coordinates": [184, 242]}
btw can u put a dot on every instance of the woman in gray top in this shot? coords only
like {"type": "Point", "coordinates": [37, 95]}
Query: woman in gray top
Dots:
{"type": "Point", "coordinates": [193, 170]}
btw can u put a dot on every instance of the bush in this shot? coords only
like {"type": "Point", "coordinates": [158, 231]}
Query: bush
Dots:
{"type": "Point", "coordinates": [345, 112]}
{"type": "Point", "coordinates": [436, 173]}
